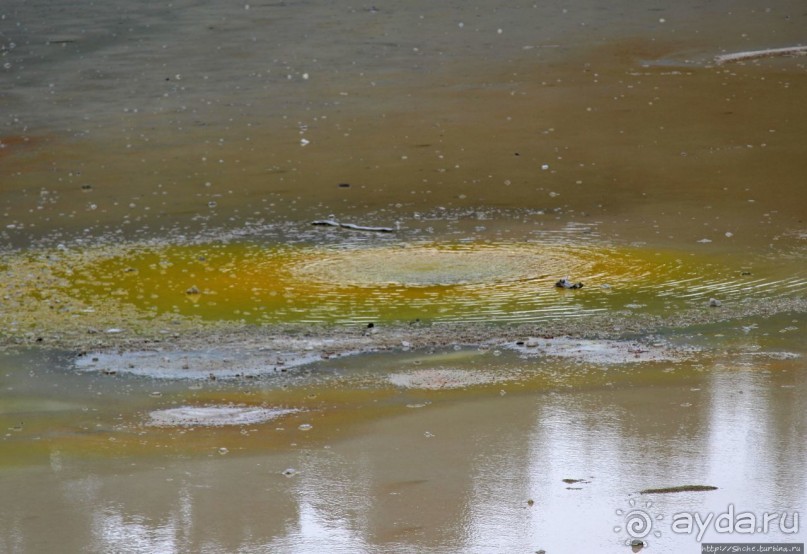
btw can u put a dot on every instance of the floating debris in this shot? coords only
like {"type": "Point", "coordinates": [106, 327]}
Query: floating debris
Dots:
{"type": "Point", "coordinates": [757, 54]}
{"type": "Point", "coordinates": [682, 488]}
{"type": "Point", "coordinates": [353, 226]}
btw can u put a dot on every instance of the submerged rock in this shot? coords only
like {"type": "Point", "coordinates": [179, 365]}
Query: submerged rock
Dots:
{"type": "Point", "coordinates": [565, 283]}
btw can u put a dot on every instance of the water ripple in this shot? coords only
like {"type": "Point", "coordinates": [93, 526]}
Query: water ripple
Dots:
{"type": "Point", "coordinates": [482, 282]}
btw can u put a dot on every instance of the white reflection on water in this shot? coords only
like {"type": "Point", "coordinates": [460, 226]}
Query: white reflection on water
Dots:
{"type": "Point", "coordinates": [116, 532]}
{"type": "Point", "coordinates": [334, 508]}
{"type": "Point", "coordinates": [452, 477]}
{"type": "Point", "coordinates": [759, 421]}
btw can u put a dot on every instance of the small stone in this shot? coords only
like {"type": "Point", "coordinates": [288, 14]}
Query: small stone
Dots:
{"type": "Point", "coordinates": [565, 283]}
{"type": "Point", "coordinates": [715, 303]}
{"type": "Point", "coordinates": [193, 290]}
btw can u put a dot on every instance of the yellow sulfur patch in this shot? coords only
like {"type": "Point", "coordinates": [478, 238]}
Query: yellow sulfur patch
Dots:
{"type": "Point", "coordinates": [133, 287]}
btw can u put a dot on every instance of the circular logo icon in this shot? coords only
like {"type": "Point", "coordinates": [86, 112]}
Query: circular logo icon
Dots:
{"type": "Point", "coordinates": [638, 523]}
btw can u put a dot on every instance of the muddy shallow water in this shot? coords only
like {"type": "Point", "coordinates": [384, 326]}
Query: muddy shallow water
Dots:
{"type": "Point", "coordinates": [188, 365]}
{"type": "Point", "coordinates": [458, 450]}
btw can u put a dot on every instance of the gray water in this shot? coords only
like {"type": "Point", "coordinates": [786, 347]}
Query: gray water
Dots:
{"type": "Point", "coordinates": [150, 148]}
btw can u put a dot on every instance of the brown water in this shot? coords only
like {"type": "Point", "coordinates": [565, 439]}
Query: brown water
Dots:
{"type": "Point", "coordinates": [159, 170]}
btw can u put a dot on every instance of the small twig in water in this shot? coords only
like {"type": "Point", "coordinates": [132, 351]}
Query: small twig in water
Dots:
{"type": "Point", "coordinates": [354, 227]}
{"type": "Point", "coordinates": [682, 488]}
{"type": "Point", "coordinates": [756, 54]}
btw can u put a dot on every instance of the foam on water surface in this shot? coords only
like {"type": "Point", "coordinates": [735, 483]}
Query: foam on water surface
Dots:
{"type": "Point", "coordinates": [215, 416]}
{"type": "Point", "coordinates": [444, 378]}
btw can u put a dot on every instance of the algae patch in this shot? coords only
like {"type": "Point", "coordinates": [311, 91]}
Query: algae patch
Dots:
{"type": "Point", "coordinates": [82, 294]}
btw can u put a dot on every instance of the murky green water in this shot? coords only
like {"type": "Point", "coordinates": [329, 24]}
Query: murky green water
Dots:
{"type": "Point", "coordinates": [160, 168]}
